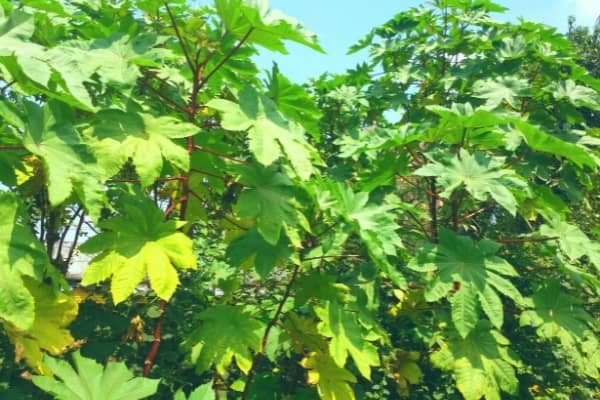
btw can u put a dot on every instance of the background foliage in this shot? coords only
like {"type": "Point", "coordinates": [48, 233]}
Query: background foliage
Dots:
{"type": "Point", "coordinates": [424, 225]}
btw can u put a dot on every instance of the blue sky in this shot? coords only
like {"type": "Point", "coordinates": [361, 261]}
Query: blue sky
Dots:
{"type": "Point", "coordinates": [340, 23]}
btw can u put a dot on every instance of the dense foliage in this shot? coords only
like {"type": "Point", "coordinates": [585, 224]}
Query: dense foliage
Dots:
{"type": "Point", "coordinates": [422, 226]}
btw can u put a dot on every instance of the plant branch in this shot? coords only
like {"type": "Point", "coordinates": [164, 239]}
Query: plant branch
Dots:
{"type": "Point", "coordinates": [135, 180]}
{"type": "Point", "coordinates": [207, 173]}
{"type": "Point", "coordinates": [64, 233]}
{"type": "Point", "coordinates": [427, 191]}
{"type": "Point", "coordinates": [167, 99]}
{"type": "Point", "coordinates": [473, 214]}
{"type": "Point", "coordinates": [226, 58]}
{"type": "Point", "coordinates": [156, 339]}
{"type": "Point", "coordinates": [5, 87]}
{"type": "Point", "coordinates": [433, 210]}
{"type": "Point", "coordinates": [12, 147]}
{"type": "Point", "coordinates": [220, 155]}
{"type": "Point", "coordinates": [270, 325]}
{"type": "Point", "coordinates": [180, 38]}
{"type": "Point", "coordinates": [358, 256]}
{"type": "Point", "coordinates": [525, 240]}
{"type": "Point", "coordinates": [232, 222]}
{"type": "Point", "coordinates": [75, 240]}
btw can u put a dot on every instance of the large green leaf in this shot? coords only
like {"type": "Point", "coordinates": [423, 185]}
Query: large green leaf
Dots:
{"type": "Point", "coordinates": [347, 337]}
{"type": "Point", "coordinates": [203, 392]}
{"type": "Point", "coordinates": [114, 59]}
{"type": "Point", "coordinates": [20, 254]}
{"type": "Point", "coordinates": [15, 32]}
{"type": "Point", "coordinates": [54, 311]}
{"type": "Point", "coordinates": [496, 91]}
{"type": "Point", "coordinates": [90, 381]}
{"type": "Point", "coordinates": [578, 95]}
{"type": "Point", "coordinates": [267, 28]}
{"type": "Point", "coordinates": [69, 163]}
{"type": "Point", "coordinates": [143, 138]}
{"type": "Point", "coordinates": [226, 332]}
{"type": "Point", "coordinates": [269, 133]}
{"type": "Point", "coordinates": [572, 241]}
{"type": "Point", "coordinates": [253, 248]}
{"type": "Point", "coordinates": [480, 273]}
{"type": "Point", "coordinates": [539, 140]}
{"type": "Point", "coordinates": [294, 102]}
{"type": "Point", "coordinates": [481, 363]}
{"type": "Point", "coordinates": [268, 199]}
{"type": "Point", "coordinates": [479, 174]}
{"type": "Point", "coordinates": [374, 224]}
{"type": "Point", "coordinates": [137, 244]}
{"type": "Point", "coordinates": [556, 314]}
{"type": "Point", "coordinates": [333, 382]}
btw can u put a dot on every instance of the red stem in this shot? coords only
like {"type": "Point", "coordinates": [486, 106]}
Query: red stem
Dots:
{"type": "Point", "coordinates": [12, 147]}
{"type": "Point", "coordinates": [156, 339]}
{"type": "Point", "coordinates": [270, 325]}
{"type": "Point", "coordinates": [220, 155]}
{"type": "Point", "coordinates": [525, 240]}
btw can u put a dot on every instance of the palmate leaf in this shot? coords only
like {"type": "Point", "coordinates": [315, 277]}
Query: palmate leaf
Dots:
{"type": "Point", "coordinates": [556, 314]}
{"type": "Point", "coordinates": [481, 274]}
{"type": "Point", "coordinates": [72, 63]}
{"type": "Point", "coordinates": [481, 176]}
{"type": "Point", "coordinates": [226, 332]}
{"type": "Point", "coordinates": [203, 392]}
{"type": "Point", "coordinates": [252, 247]}
{"type": "Point", "coordinates": [347, 337]}
{"type": "Point", "coordinates": [144, 138]}
{"type": "Point", "coordinates": [268, 199]}
{"type": "Point", "coordinates": [539, 140]}
{"type": "Point", "coordinates": [268, 28]}
{"type": "Point", "coordinates": [495, 91]}
{"type": "Point", "coordinates": [332, 381]}
{"type": "Point", "coordinates": [405, 368]}
{"type": "Point", "coordinates": [20, 254]}
{"type": "Point", "coordinates": [481, 363]}
{"type": "Point", "coordinates": [54, 311]}
{"type": "Point", "coordinates": [580, 96]}
{"type": "Point", "coordinates": [374, 224]}
{"type": "Point", "coordinates": [293, 101]}
{"type": "Point", "coordinates": [69, 163]}
{"type": "Point", "coordinates": [135, 245]}
{"type": "Point", "coordinates": [573, 242]}
{"type": "Point", "coordinates": [15, 32]}
{"type": "Point", "coordinates": [269, 133]}
{"type": "Point", "coordinates": [90, 381]}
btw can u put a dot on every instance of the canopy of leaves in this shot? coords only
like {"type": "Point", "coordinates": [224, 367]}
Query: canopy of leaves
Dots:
{"type": "Point", "coordinates": [344, 228]}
